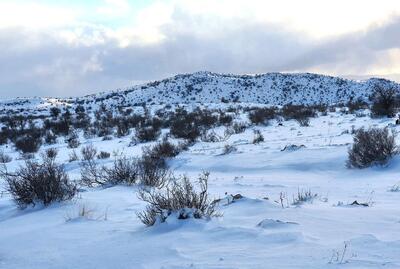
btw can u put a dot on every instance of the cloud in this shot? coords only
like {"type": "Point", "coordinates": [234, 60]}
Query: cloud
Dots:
{"type": "Point", "coordinates": [83, 57]}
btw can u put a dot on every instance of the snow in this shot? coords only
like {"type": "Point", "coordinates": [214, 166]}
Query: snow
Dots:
{"type": "Point", "coordinates": [257, 231]}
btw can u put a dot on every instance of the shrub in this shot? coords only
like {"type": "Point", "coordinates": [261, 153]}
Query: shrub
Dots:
{"type": "Point", "coordinates": [185, 127]}
{"type": "Point", "coordinates": [50, 138]}
{"type": "Point", "coordinates": [303, 196]}
{"type": "Point", "coordinates": [51, 153]}
{"type": "Point", "coordinates": [153, 171]}
{"type": "Point", "coordinates": [35, 183]}
{"type": "Point", "coordinates": [299, 113]}
{"type": "Point", "coordinates": [163, 149]}
{"type": "Point", "coordinates": [180, 199]}
{"type": "Point", "coordinates": [88, 152]}
{"type": "Point", "coordinates": [28, 143]}
{"type": "Point", "coordinates": [147, 133]}
{"type": "Point", "coordinates": [73, 156]}
{"type": "Point", "coordinates": [258, 137]}
{"type": "Point", "coordinates": [124, 170]}
{"type": "Point", "coordinates": [356, 105]}
{"type": "Point", "coordinates": [103, 155]}
{"type": "Point", "coordinates": [73, 140]}
{"type": "Point", "coordinates": [239, 127]}
{"type": "Point", "coordinates": [383, 102]}
{"type": "Point", "coordinates": [4, 158]}
{"type": "Point", "coordinates": [91, 174]}
{"type": "Point", "coordinates": [229, 149]}
{"type": "Point", "coordinates": [262, 115]}
{"type": "Point", "coordinates": [371, 147]}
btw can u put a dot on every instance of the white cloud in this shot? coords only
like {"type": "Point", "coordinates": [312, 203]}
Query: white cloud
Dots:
{"type": "Point", "coordinates": [64, 51]}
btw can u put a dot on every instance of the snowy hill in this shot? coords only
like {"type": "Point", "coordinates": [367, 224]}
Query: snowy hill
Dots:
{"type": "Point", "coordinates": [207, 87]}
{"type": "Point", "coordinates": [270, 88]}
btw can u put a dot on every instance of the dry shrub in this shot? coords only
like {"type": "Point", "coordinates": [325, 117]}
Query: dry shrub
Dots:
{"type": "Point", "coordinates": [43, 183]}
{"type": "Point", "coordinates": [181, 198]}
{"type": "Point", "coordinates": [371, 147]}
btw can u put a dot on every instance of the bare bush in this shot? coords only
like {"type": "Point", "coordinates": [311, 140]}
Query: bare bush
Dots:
{"type": "Point", "coordinates": [28, 143]}
{"type": "Point", "coordinates": [103, 155]}
{"type": "Point", "coordinates": [72, 157]}
{"type": "Point", "coordinates": [43, 183]}
{"type": "Point", "coordinates": [123, 171]}
{"type": "Point", "coordinates": [91, 173]}
{"type": "Point", "coordinates": [180, 199]}
{"type": "Point", "coordinates": [299, 113]}
{"type": "Point", "coordinates": [229, 149]}
{"type": "Point", "coordinates": [371, 147]}
{"type": "Point", "coordinates": [88, 152]}
{"type": "Point", "coordinates": [258, 137]}
{"type": "Point", "coordinates": [163, 149]}
{"type": "Point", "coordinates": [262, 115]}
{"type": "Point", "coordinates": [153, 171]}
{"type": "Point", "coordinates": [147, 133]}
{"type": "Point", "coordinates": [303, 196]}
{"type": "Point", "coordinates": [383, 102]}
{"type": "Point", "coordinates": [72, 140]}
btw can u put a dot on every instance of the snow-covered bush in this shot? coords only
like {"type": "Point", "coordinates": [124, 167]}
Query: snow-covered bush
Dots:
{"type": "Point", "coordinates": [383, 102]}
{"type": "Point", "coordinates": [180, 199]}
{"type": "Point", "coordinates": [42, 183]}
{"type": "Point", "coordinates": [371, 147]}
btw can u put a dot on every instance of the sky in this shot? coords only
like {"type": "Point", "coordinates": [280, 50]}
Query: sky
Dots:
{"type": "Point", "coordinates": [67, 48]}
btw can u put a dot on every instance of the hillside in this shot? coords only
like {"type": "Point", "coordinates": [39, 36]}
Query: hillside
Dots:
{"type": "Point", "coordinates": [207, 87]}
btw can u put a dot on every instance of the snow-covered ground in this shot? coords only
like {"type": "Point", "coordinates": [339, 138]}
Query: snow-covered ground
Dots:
{"type": "Point", "coordinates": [257, 231]}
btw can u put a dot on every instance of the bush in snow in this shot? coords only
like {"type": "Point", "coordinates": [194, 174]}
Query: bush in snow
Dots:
{"type": "Point", "coordinates": [153, 171]}
{"type": "Point", "coordinates": [229, 149]}
{"type": "Point", "coordinates": [88, 152]}
{"type": "Point", "coordinates": [258, 137]}
{"type": "Point", "coordinates": [383, 102]}
{"type": "Point", "coordinates": [28, 143]}
{"type": "Point", "coordinates": [123, 171]}
{"type": "Point", "coordinates": [262, 115]}
{"type": "Point", "coordinates": [103, 155]}
{"type": "Point", "coordinates": [147, 133]}
{"type": "Point", "coordinates": [73, 140]}
{"type": "Point", "coordinates": [371, 147]}
{"type": "Point", "coordinates": [35, 182]}
{"type": "Point", "coordinates": [181, 199]}
{"type": "Point", "coordinates": [299, 113]}
{"type": "Point", "coordinates": [163, 149]}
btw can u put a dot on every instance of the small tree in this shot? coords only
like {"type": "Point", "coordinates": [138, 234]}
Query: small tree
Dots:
{"type": "Point", "coordinates": [371, 147]}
